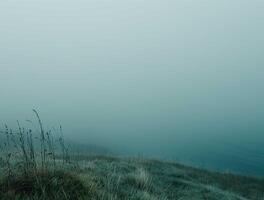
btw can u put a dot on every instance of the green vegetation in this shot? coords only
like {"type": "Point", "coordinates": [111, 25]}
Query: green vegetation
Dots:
{"type": "Point", "coordinates": [36, 165]}
{"type": "Point", "coordinates": [105, 177]}
{"type": "Point", "coordinates": [42, 185]}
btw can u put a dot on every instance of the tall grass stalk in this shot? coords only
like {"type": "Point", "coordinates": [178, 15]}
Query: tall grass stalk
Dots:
{"type": "Point", "coordinates": [19, 149]}
{"type": "Point", "coordinates": [42, 142]}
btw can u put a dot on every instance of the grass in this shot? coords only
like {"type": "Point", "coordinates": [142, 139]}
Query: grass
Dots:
{"type": "Point", "coordinates": [114, 178]}
{"type": "Point", "coordinates": [127, 178]}
{"type": "Point", "coordinates": [43, 185]}
{"type": "Point", "coordinates": [51, 172]}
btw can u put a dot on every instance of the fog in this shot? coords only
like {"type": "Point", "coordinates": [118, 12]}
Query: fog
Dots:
{"type": "Point", "coordinates": [178, 80]}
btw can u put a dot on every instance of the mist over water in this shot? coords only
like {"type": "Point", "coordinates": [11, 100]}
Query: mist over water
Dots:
{"type": "Point", "coordinates": [179, 80]}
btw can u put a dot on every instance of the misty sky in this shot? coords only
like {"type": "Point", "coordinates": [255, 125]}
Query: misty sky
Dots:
{"type": "Point", "coordinates": [156, 76]}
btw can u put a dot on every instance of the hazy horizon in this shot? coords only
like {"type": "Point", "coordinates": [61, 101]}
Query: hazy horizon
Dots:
{"type": "Point", "coordinates": [173, 79]}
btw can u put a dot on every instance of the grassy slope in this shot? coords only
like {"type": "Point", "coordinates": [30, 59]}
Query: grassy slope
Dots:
{"type": "Point", "coordinates": [127, 178]}
{"type": "Point", "coordinates": [113, 178]}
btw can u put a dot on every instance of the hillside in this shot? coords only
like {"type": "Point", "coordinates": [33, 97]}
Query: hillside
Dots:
{"type": "Point", "coordinates": [106, 177]}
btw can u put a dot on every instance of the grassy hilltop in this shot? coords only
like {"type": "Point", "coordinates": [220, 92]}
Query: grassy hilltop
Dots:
{"type": "Point", "coordinates": [114, 178]}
